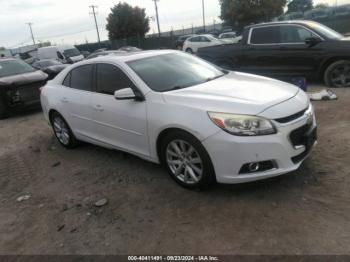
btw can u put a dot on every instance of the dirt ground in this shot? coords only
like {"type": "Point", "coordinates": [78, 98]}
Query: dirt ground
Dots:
{"type": "Point", "coordinates": [305, 212]}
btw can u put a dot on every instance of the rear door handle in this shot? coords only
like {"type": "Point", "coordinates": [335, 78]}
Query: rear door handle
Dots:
{"type": "Point", "coordinates": [98, 108]}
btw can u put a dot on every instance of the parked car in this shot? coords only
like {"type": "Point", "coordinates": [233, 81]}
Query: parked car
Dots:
{"type": "Point", "coordinates": [104, 53]}
{"type": "Point", "coordinates": [66, 54]}
{"type": "Point", "coordinates": [49, 66]}
{"type": "Point", "coordinates": [181, 40]}
{"type": "Point", "coordinates": [19, 85]}
{"type": "Point", "coordinates": [129, 49]}
{"type": "Point", "coordinates": [201, 122]}
{"type": "Point", "coordinates": [228, 35]}
{"type": "Point", "coordinates": [287, 49]}
{"type": "Point", "coordinates": [192, 44]}
{"type": "Point", "coordinates": [85, 53]}
{"type": "Point", "coordinates": [230, 38]}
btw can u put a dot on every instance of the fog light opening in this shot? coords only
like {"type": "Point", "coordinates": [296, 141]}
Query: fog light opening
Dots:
{"type": "Point", "coordinates": [261, 166]}
{"type": "Point", "coordinates": [253, 167]}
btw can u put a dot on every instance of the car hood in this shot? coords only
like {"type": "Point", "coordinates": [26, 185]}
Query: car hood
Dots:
{"type": "Point", "coordinates": [23, 79]}
{"type": "Point", "coordinates": [56, 68]}
{"type": "Point", "coordinates": [235, 92]}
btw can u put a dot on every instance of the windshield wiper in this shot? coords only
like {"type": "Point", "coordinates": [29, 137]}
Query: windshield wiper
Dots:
{"type": "Point", "coordinates": [176, 88]}
{"type": "Point", "coordinates": [213, 78]}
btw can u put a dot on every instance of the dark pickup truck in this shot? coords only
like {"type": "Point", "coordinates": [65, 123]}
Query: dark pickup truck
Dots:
{"type": "Point", "coordinates": [285, 50]}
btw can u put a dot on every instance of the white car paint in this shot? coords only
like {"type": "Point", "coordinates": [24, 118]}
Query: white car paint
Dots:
{"type": "Point", "coordinates": [135, 126]}
{"type": "Point", "coordinates": [194, 43]}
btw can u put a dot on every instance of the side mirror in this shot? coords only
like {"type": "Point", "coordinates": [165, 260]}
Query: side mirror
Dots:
{"type": "Point", "coordinates": [312, 41]}
{"type": "Point", "coordinates": [125, 94]}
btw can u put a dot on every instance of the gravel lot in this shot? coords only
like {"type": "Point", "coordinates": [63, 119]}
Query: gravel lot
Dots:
{"type": "Point", "coordinates": [305, 212]}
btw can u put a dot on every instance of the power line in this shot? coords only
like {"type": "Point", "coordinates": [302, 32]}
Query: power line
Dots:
{"type": "Point", "coordinates": [155, 4]}
{"type": "Point", "coordinates": [94, 13]}
{"type": "Point", "coordinates": [31, 31]}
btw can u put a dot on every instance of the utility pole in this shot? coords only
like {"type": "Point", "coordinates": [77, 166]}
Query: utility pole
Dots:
{"type": "Point", "coordinates": [203, 15]}
{"type": "Point", "coordinates": [155, 4]}
{"type": "Point", "coordinates": [94, 13]}
{"type": "Point", "coordinates": [31, 31]}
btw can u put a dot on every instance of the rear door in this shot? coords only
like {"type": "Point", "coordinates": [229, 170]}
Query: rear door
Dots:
{"type": "Point", "coordinates": [120, 123]}
{"type": "Point", "coordinates": [261, 54]}
{"type": "Point", "coordinates": [75, 100]}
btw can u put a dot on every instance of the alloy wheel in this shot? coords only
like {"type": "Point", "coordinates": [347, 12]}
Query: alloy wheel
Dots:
{"type": "Point", "coordinates": [340, 76]}
{"type": "Point", "coordinates": [184, 162]}
{"type": "Point", "coordinates": [61, 130]}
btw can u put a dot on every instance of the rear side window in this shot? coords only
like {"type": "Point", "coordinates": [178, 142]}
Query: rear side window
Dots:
{"type": "Point", "coordinates": [265, 35]}
{"type": "Point", "coordinates": [110, 78]}
{"type": "Point", "coordinates": [80, 78]}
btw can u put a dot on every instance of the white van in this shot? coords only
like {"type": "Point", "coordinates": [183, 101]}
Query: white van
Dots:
{"type": "Point", "coordinates": [67, 54]}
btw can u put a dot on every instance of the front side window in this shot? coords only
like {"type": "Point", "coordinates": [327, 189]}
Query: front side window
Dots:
{"type": "Point", "coordinates": [265, 35]}
{"type": "Point", "coordinates": [110, 78]}
{"type": "Point", "coordinates": [71, 52]}
{"type": "Point", "coordinates": [294, 34]}
{"type": "Point", "coordinates": [174, 71]}
{"type": "Point", "coordinates": [81, 78]}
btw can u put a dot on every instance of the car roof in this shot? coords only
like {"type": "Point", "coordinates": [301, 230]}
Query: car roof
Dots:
{"type": "Point", "coordinates": [298, 22]}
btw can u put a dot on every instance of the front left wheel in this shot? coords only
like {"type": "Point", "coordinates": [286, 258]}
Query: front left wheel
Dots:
{"type": "Point", "coordinates": [62, 131]}
{"type": "Point", "coordinates": [186, 160]}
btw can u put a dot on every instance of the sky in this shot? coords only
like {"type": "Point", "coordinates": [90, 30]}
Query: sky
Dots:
{"type": "Point", "coordinates": [70, 21]}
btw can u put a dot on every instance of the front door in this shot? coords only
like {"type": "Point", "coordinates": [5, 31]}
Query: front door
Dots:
{"type": "Point", "coordinates": [119, 123]}
{"type": "Point", "coordinates": [75, 99]}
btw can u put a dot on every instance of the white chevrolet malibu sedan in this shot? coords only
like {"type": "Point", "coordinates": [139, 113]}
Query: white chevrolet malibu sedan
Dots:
{"type": "Point", "coordinates": [203, 123]}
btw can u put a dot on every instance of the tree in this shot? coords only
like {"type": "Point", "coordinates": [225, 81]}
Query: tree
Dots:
{"type": "Point", "coordinates": [126, 21]}
{"type": "Point", "coordinates": [299, 5]}
{"type": "Point", "coordinates": [239, 13]}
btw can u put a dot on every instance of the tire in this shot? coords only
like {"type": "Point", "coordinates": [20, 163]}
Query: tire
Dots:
{"type": "Point", "coordinates": [189, 50]}
{"type": "Point", "coordinates": [189, 159]}
{"type": "Point", "coordinates": [338, 74]}
{"type": "Point", "coordinates": [3, 108]}
{"type": "Point", "coordinates": [62, 131]}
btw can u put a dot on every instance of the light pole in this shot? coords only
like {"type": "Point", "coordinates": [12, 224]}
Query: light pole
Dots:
{"type": "Point", "coordinates": [203, 15]}
{"type": "Point", "coordinates": [94, 13]}
{"type": "Point", "coordinates": [31, 31]}
{"type": "Point", "coordinates": [156, 7]}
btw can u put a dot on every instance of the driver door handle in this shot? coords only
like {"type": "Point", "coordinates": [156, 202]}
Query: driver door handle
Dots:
{"type": "Point", "coordinates": [98, 108]}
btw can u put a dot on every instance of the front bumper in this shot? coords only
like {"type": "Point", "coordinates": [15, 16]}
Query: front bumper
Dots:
{"type": "Point", "coordinates": [229, 153]}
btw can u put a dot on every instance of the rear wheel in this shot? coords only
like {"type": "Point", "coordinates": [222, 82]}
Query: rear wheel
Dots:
{"type": "Point", "coordinates": [3, 108]}
{"type": "Point", "coordinates": [338, 74]}
{"type": "Point", "coordinates": [62, 131]}
{"type": "Point", "coordinates": [186, 160]}
{"type": "Point", "coordinates": [189, 50]}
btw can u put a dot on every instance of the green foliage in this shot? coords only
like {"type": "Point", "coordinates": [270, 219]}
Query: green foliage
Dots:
{"type": "Point", "coordinates": [239, 13]}
{"type": "Point", "coordinates": [300, 5]}
{"type": "Point", "coordinates": [126, 21]}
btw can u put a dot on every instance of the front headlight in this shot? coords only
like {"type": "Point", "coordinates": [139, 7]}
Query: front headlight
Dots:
{"type": "Point", "coordinates": [242, 125]}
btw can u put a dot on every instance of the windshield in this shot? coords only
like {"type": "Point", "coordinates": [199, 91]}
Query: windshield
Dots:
{"type": "Point", "coordinates": [173, 71]}
{"type": "Point", "coordinates": [14, 67]}
{"type": "Point", "coordinates": [71, 52]}
{"type": "Point", "coordinates": [324, 30]}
